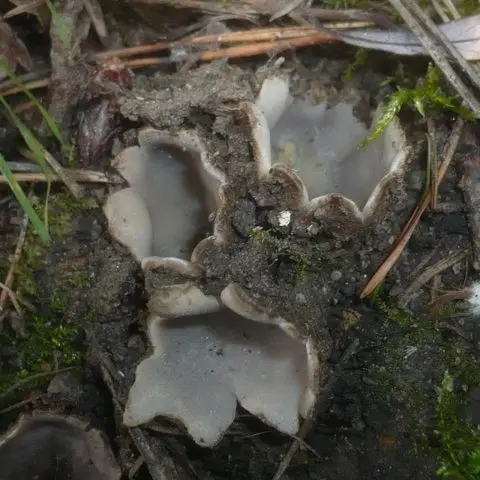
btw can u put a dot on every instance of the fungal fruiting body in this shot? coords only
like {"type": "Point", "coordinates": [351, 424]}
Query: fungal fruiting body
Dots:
{"type": "Point", "coordinates": [210, 352]}
{"type": "Point", "coordinates": [170, 183]}
{"type": "Point", "coordinates": [316, 148]}
{"type": "Point", "coordinates": [46, 446]}
{"type": "Point", "coordinates": [203, 364]}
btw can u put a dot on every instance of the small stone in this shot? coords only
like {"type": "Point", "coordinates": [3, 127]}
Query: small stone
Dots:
{"type": "Point", "coordinates": [300, 298]}
{"type": "Point", "coordinates": [336, 275]}
{"type": "Point", "coordinates": [243, 218]}
{"type": "Point", "coordinates": [66, 383]}
{"type": "Point", "coordinates": [284, 218]}
{"type": "Point", "coordinates": [368, 381]}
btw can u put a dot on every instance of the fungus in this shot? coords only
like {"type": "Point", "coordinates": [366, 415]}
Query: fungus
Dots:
{"type": "Point", "coordinates": [164, 212]}
{"type": "Point", "coordinates": [316, 148]}
{"type": "Point", "coordinates": [47, 446]}
{"type": "Point", "coordinates": [203, 363]}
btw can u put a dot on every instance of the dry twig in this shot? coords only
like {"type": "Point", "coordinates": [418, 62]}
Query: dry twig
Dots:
{"type": "Point", "coordinates": [13, 264]}
{"type": "Point", "coordinates": [409, 228]}
{"type": "Point", "coordinates": [82, 176]}
{"type": "Point", "coordinates": [160, 467]}
{"type": "Point", "coordinates": [430, 273]}
{"type": "Point", "coordinates": [31, 378]}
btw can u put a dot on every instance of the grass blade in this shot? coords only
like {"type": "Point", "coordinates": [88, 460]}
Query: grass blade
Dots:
{"type": "Point", "coordinates": [47, 117]}
{"type": "Point", "coordinates": [33, 144]}
{"type": "Point", "coordinates": [35, 147]}
{"type": "Point", "coordinates": [39, 226]}
{"type": "Point", "coordinates": [61, 27]}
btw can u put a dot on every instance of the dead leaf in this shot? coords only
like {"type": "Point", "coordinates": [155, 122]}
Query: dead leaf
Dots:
{"type": "Point", "coordinates": [38, 8]}
{"type": "Point", "coordinates": [464, 34]}
{"type": "Point", "coordinates": [12, 50]}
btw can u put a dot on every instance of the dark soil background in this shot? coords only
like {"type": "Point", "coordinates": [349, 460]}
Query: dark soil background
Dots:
{"type": "Point", "coordinates": [85, 304]}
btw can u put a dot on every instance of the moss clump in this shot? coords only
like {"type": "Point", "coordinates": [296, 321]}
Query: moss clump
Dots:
{"type": "Point", "coordinates": [48, 342]}
{"type": "Point", "coordinates": [427, 95]}
{"type": "Point", "coordinates": [283, 249]}
{"type": "Point", "coordinates": [62, 208]}
{"type": "Point", "coordinates": [46, 346]}
{"type": "Point", "coordinates": [460, 440]}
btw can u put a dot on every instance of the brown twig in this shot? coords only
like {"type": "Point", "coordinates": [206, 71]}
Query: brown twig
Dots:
{"type": "Point", "coordinates": [409, 228]}
{"type": "Point", "coordinates": [242, 51]}
{"type": "Point", "coordinates": [430, 273]}
{"type": "Point", "coordinates": [44, 82]}
{"type": "Point", "coordinates": [13, 298]}
{"type": "Point", "coordinates": [448, 297]}
{"type": "Point", "coordinates": [31, 378]}
{"type": "Point", "coordinates": [13, 264]}
{"type": "Point", "coordinates": [72, 185]}
{"type": "Point", "coordinates": [82, 176]}
{"type": "Point", "coordinates": [20, 404]}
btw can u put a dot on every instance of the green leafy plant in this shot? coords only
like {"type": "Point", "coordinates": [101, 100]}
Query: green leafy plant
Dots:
{"type": "Point", "coordinates": [426, 96]}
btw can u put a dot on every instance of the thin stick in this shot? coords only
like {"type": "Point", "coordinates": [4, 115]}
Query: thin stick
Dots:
{"type": "Point", "coordinates": [255, 35]}
{"type": "Point", "coordinates": [438, 55]}
{"type": "Point", "coordinates": [13, 298]}
{"type": "Point", "coordinates": [433, 164]}
{"type": "Point", "coordinates": [409, 228]}
{"type": "Point", "coordinates": [83, 176]}
{"type": "Point", "coordinates": [31, 378]}
{"type": "Point", "coordinates": [26, 401]}
{"type": "Point", "coordinates": [446, 43]}
{"type": "Point", "coordinates": [430, 273]}
{"type": "Point", "coordinates": [242, 51]}
{"type": "Point", "coordinates": [44, 82]}
{"type": "Point", "coordinates": [75, 189]}
{"type": "Point", "coordinates": [440, 12]}
{"type": "Point", "coordinates": [13, 264]}
{"type": "Point", "coordinates": [287, 459]}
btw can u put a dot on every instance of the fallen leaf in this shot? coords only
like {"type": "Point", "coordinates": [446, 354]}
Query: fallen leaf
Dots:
{"type": "Point", "coordinates": [12, 50]}
{"type": "Point", "coordinates": [464, 34]}
{"type": "Point", "coordinates": [37, 8]}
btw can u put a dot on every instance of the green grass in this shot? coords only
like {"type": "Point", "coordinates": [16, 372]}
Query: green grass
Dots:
{"type": "Point", "coordinates": [38, 152]}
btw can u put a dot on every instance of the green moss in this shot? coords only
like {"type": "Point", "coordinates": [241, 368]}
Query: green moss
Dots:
{"type": "Point", "coordinates": [79, 279]}
{"type": "Point", "coordinates": [468, 7]}
{"type": "Point", "coordinates": [61, 211]}
{"type": "Point", "coordinates": [47, 343]}
{"type": "Point", "coordinates": [46, 346]}
{"type": "Point", "coordinates": [460, 442]}
{"type": "Point", "coordinates": [286, 249]}
{"type": "Point", "coordinates": [361, 56]}
{"type": "Point", "coordinates": [427, 95]}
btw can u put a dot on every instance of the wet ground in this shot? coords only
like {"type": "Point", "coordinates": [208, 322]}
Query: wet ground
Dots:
{"type": "Point", "coordinates": [385, 415]}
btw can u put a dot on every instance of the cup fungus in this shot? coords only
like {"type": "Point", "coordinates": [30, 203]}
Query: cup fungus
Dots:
{"type": "Point", "coordinates": [204, 361]}
{"type": "Point", "coordinates": [53, 446]}
{"type": "Point", "coordinates": [164, 212]}
{"type": "Point", "coordinates": [315, 149]}
{"type": "Point", "coordinates": [209, 351]}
